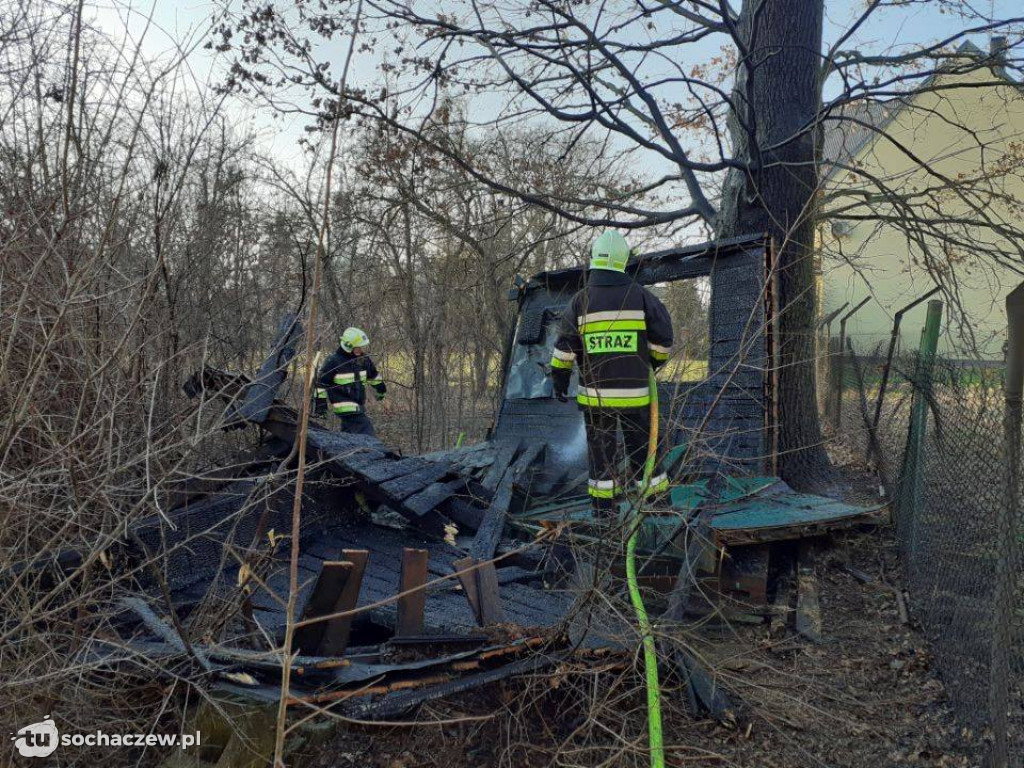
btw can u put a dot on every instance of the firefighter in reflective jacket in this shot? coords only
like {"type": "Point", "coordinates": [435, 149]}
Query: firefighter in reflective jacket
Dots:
{"type": "Point", "coordinates": [614, 330]}
{"type": "Point", "coordinates": [345, 375]}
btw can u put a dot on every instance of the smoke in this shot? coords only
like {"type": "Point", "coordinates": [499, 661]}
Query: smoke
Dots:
{"type": "Point", "coordinates": [574, 449]}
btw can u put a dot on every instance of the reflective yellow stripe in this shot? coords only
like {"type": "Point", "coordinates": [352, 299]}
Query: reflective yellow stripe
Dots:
{"type": "Point", "coordinates": [562, 355]}
{"type": "Point", "coordinates": [345, 406]}
{"type": "Point", "coordinates": [613, 325]}
{"type": "Point", "coordinates": [629, 397]}
{"type": "Point", "coordinates": [321, 393]}
{"type": "Point", "coordinates": [610, 314]}
{"type": "Point", "coordinates": [613, 402]}
{"type": "Point", "coordinates": [556, 363]}
{"type": "Point", "coordinates": [658, 352]}
{"type": "Point", "coordinates": [375, 382]}
{"type": "Point", "coordinates": [603, 489]}
{"type": "Point", "coordinates": [344, 378]}
{"type": "Point", "coordinates": [615, 391]}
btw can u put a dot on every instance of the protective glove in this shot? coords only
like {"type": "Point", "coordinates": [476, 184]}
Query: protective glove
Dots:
{"type": "Point", "coordinates": [380, 389]}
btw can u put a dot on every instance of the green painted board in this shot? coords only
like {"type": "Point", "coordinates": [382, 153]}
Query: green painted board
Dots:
{"type": "Point", "coordinates": [750, 510]}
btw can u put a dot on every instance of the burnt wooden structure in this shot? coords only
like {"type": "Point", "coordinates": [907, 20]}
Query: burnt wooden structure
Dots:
{"type": "Point", "coordinates": [459, 593]}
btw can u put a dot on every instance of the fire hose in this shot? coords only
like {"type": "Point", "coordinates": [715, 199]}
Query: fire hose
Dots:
{"type": "Point", "coordinates": [654, 732]}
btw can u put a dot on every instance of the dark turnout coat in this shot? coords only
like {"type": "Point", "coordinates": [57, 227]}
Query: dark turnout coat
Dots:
{"type": "Point", "coordinates": [614, 330]}
{"type": "Point", "coordinates": [345, 377]}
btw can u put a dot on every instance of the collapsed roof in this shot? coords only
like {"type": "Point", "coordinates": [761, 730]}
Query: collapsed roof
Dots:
{"type": "Point", "coordinates": [423, 576]}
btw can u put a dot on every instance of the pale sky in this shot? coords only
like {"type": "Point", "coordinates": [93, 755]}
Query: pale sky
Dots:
{"type": "Point", "coordinates": [177, 23]}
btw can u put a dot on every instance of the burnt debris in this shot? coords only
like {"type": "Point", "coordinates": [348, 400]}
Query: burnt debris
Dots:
{"type": "Point", "coordinates": [421, 577]}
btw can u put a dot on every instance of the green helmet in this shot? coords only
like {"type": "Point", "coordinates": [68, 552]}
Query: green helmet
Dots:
{"type": "Point", "coordinates": [354, 337]}
{"type": "Point", "coordinates": [609, 251]}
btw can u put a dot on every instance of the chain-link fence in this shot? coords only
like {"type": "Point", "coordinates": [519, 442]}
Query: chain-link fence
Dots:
{"type": "Point", "coordinates": [933, 429]}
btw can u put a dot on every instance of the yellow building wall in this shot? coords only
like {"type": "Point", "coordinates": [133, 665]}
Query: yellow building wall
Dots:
{"type": "Point", "coordinates": [875, 259]}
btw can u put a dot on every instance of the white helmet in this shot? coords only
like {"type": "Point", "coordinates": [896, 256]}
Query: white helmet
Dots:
{"type": "Point", "coordinates": [354, 337]}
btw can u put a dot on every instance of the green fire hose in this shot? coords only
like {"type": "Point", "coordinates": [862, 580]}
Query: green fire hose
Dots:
{"type": "Point", "coordinates": [654, 733]}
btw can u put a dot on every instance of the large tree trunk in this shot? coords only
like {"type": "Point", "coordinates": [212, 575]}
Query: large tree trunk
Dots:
{"type": "Point", "coordinates": [777, 98]}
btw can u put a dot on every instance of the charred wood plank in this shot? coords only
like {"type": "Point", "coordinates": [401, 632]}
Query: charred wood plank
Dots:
{"type": "Point", "coordinates": [698, 529]}
{"type": "Point", "coordinates": [464, 512]}
{"type": "Point", "coordinates": [410, 606]}
{"type": "Point", "coordinates": [479, 582]}
{"type": "Point", "coordinates": [259, 396]}
{"type": "Point", "coordinates": [336, 631]}
{"type": "Point", "coordinates": [173, 636]}
{"type": "Point", "coordinates": [405, 486]}
{"type": "Point", "coordinates": [326, 593]}
{"type": "Point", "coordinates": [381, 471]}
{"type": "Point", "coordinates": [488, 535]}
{"type": "Point", "coordinates": [744, 574]}
{"type": "Point", "coordinates": [433, 495]}
{"type": "Point", "coordinates": [398, 703]}
{"type": "Point", "coordinates": [439, 645]}
{"type": "Point", "coordinates": [469, 584]}
{"type": "Point", "coordinates": [704, 685]}
{"type": "Point", "coordinates": [502, 461]}
{"type": "Point", "coordinates": [344, 447]}
{"type": "Point", "coordinates": [489, 594]}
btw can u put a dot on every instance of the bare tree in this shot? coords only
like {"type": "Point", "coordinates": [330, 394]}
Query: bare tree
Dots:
{"type": "Point", "coordinates": [622, 74]}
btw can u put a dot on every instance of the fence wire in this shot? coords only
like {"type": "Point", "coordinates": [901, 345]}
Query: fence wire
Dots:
{"type": "Point", "coordinates": [940, 452]}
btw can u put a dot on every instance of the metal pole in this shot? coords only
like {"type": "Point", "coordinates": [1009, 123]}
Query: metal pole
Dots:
{"type": "Point", "coordinates": [892, 350]}
{"type": "Point", "coordinates": [826, 321]}
{"type": "Point", "coordinates": [1006, 528]}
{"type": "Point", "coordinates": [919, 420]}
{"type": "Point", "coordinates": [841, 360]}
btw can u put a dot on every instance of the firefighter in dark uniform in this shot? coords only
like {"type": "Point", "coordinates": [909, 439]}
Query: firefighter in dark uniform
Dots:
{"type": "Point", "coordinates": [345, 375]}
{"type": "Point", "coordinates": [614, 330]}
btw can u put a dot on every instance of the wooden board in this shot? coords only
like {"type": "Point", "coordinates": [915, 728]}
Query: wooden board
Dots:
{"type": "Point", "coordinates": [464, 512]}
{"type": "Point", "coordinates": [410, 606]}
{"type": "Point", "coordinates": [468, 582]}
{"type": "Point", "coordinates": [325, 595]}
{"type": "Point", "coordinates": [387, 469]}
{"type": "Point", "coordinates": [489, 594]}
{"type": "Point", "coordinates": [337, 631]}
{"type": "Point", "coordinates": [260, 394]}
{"type": "Point", "coordinates": [744, 574]}
{"type": "Point", "coordinates": [502, 461]}
{"type": "Point", "coordinates": [434, 494]}
{"type": "Point", "coordinates": [405, 486]}
{"type": "Point", "coordinates": [485, 543]}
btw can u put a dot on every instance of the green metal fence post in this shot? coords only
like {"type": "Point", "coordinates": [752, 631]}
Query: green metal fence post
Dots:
{"type": "Point", "coordinates": [1006, 531]}
{"type": "Point", "coordinates": [911, 483]}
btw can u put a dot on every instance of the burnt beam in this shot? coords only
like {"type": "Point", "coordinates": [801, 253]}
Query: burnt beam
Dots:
{"type": "Point", "coordinates": [413, 597]}
{"type": "Point", "coordinates": [337, 631]}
